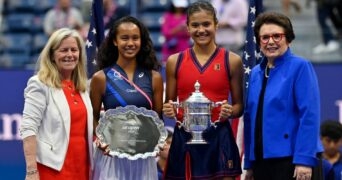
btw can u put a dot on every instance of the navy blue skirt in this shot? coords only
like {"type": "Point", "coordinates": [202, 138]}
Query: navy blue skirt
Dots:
{"type": "Point", "coordinates": [219, 158]}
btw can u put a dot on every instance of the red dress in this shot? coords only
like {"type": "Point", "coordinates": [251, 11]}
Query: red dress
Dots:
{"type": "Point", "coordinates": [76, 164]}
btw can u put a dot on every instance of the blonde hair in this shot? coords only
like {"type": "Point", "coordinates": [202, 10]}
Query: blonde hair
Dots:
{"type": "Point", "coordinates": [47, 69]}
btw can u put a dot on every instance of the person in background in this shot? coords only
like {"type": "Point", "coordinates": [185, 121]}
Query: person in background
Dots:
{"type": "Point", "coordinates": [128, 76]}
{"type": "Point", "coordinates": [282, 110]}
{"type": "Point", "coordinates": [112, 12]}
{"type": "Point", "coordinates": [164, 153]}
{"type": "Point", "coordinates": [63, 15]}
{"type": "Point", "coordinates": [220, 74]}
{"type": "Point", "coordinates": [57, 124]}
{"type": "Point", "coordinates": [324, 11]}
{"type": "Point", "coordinates": [328, 171]}
{"type": "Point", "coordinates": [331, 137]}
{"type": "Point", "coordinates": [287, 4]}
{"type": "Point", "coordinates": [174, 29]}
{"type": "Point", "coordinates": [232, 16]}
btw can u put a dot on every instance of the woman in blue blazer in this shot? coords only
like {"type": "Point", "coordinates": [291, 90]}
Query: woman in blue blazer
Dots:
{"type": "Point", "coordinates": [282, 113]}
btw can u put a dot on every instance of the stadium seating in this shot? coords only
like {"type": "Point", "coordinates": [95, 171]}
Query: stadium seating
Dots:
{"type": "Point", "coordinates": [157, 39]}
{"type": "Point", "coordinates": [14, 60]}
{"type": "Point", "coordinates": [43, 6]}
{"type": "Point", "coordinates": [37, 24]}
{"type": "Point", "coordinates": [152, 20]}
{"type": "Point", "coordinates": [124, 3]}
{"type": "Point", "coordinates": [16, 43]}
{"type": "Point", "coordinates": [38, 42]}
{"type": "Point", "coordinates": [16, 22]}
{"type": "Point", "coordinates": [153, 5]}
{"type": "Point", "coordinates": [22, 27]}
{"type": "Point", "coordinates": [23, 6]}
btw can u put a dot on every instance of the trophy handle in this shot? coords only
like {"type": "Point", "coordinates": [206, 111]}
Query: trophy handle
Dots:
{"type": "Point", "coordinates": [216, 104]}
{"type": "Point", "coordinates": [179, 123]}
{"type": "Point", "coordinates": [176, 104]}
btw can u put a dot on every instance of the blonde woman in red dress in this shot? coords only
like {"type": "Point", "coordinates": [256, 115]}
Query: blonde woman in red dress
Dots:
{"type": "Point", "coordinates": [57, 125]}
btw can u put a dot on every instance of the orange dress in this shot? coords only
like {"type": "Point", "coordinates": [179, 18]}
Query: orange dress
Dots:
{"type": "Point", "coordinates": [76, 164]}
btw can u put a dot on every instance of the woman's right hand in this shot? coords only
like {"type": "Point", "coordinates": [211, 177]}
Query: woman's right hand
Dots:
{"type": "Point", "coordinates": [102, 146]}
{"type": "Point", "coordinates": [169, 109]}
{"type": "Point", "coordinates": [249, 174]}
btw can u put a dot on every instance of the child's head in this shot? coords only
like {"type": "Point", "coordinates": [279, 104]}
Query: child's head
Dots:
{"type": "Point", "coordinates": [165, 152]}
{"type": "Point", "coordinates": [331, 136]}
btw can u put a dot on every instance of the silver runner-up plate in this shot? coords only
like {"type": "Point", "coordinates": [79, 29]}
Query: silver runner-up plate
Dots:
{"type": "Point", "coordinates": [131, 132]}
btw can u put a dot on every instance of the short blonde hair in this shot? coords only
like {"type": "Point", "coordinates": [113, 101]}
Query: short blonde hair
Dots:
{"type": "Point", "coordinates": [47, 69]}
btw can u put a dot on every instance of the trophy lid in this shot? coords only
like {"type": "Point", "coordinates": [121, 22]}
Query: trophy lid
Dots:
{"type": "Point", "coordinates": [197, 96]}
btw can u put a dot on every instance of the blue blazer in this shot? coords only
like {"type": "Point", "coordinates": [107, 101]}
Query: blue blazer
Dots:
{"type": "Point", "coordinates": [291, 111]}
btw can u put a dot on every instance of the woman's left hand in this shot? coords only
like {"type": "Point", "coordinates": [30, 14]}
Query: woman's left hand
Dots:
{"type": "Point", "coordinates": [302, 172]}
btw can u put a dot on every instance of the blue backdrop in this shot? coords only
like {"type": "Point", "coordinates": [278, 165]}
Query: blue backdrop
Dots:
{"type": "Point", "coordinates": [12, 163]}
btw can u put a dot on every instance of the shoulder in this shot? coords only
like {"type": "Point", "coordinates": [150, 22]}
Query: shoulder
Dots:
{"type": "Point", "coordinates": [98, 77]}
{"type": "Point", "coordinates": [156, 76]}
{"type": "Point", "coordinates": [299, 62]}
{"type": "Point", "coordinates": [34, 81]}
{"type": "Point", "coordinates": [34, 85]}
{"type": "Point", "coordinates": [234, 59]}
{"type": "Point", "coordinates": [75, 10]}
{"type": "Point", "coordinates": [172, 60]}
{"type": "Point", "coordinates": [51, 11]}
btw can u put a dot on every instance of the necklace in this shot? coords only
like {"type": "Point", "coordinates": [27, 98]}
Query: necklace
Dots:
{"type": "Point", "coordinates": [267, 72]}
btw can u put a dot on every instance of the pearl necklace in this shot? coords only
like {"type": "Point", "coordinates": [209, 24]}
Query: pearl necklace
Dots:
{"type": "Point", "coordinates": [267, 72]}
{"type": "Point", "coordinates": [268, 69]}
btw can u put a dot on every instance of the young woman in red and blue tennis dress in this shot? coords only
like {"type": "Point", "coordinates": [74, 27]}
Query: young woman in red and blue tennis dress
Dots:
{"type": "Point", "coordinates": [220, 74]}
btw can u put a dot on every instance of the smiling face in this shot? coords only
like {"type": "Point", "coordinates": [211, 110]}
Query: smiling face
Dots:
{"type": "Point", "coordinates": [128, 40]}
{"type": "Point", "coordinates": [273, 49]}
{"type": "Point", "coordinates": [66, 57]}
{"type": "Point", "coordinates": [202, 27]}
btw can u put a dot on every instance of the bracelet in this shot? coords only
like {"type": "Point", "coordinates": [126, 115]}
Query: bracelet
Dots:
{"type": "Point", "coordinates": [31, 172]}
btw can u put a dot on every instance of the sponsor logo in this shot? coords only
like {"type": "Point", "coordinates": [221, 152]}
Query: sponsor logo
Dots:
{"type": "Point", "coordinates": [10, 124]}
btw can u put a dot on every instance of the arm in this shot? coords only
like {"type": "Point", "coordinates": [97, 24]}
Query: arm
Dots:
{"type": "Point", "coordinates": [97, 89]}
{"type": "Point", "coordinates": [307, 101]}
{"type": "Point", "coordinates": [48, 23]}
{"type": "Point", "coordinates": [34, 107]}
{"type": "Point", "coordinates": [30, 144]}
{"type": "Point", "coordinates": [233, 17]}
{"type": "Point", "coordinates": [171, 81]}
{"type": "Point", "coordinates": [171, 86]}
{"type": "Point", "coordinates": [236, 84]}
{"type": "Point", "coordinates": [158, 90]}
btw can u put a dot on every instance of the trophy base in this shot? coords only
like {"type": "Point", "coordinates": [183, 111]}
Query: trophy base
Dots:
{"type": "Point", "coordinates": [197, 138]}
{"type": "Point", "coordinates": [197, 142]}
